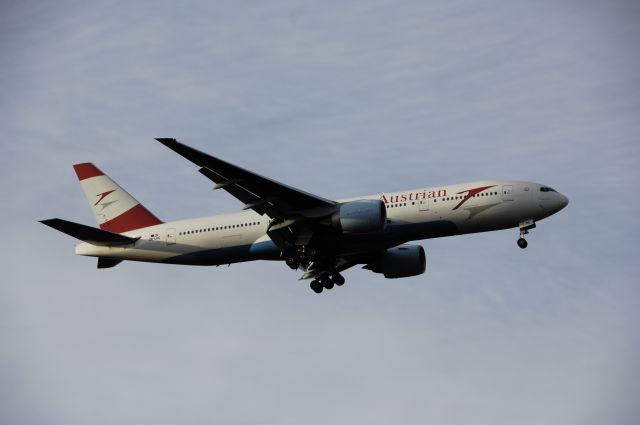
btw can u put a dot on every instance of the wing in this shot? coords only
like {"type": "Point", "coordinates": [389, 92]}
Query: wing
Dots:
{"type": "Point", "coordinates": [261, 194]}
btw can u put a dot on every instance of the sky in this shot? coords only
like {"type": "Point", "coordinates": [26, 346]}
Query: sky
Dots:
{"type": "Point", "coordinates": [338, 98]}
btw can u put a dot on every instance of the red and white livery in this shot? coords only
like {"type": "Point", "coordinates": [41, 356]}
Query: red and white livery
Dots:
{"type": "Point", "coordinates": [319, 236]}
{"type": "Point", "coordinates": [114, 209]}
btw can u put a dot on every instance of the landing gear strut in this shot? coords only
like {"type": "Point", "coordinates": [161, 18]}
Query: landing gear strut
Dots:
{"type": "Point", "coordinates": [300, 256]}
{"type": "Point", "coordinates": [525, 226]}
{"type": "Point", "coordinates": [292, 262]}
{"type": "Point", "coordinates": [305, 253]}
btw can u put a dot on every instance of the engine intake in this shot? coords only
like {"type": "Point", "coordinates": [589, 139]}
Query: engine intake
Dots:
{"type": "Point", "coordinates": [364, 216]}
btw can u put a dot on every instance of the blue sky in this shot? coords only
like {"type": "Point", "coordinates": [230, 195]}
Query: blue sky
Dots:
{"type": "Point", "coordinates": [339, 99]}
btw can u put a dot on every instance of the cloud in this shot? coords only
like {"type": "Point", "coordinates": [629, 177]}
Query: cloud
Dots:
{"type": "Point", "coordinates": [338, 98]}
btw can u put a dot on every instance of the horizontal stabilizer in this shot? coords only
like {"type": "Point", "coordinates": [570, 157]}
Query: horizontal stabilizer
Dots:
{"type": "Point", "coordinates": [89, 234]}
{"type": "Point", "coordinates": [105, 263]}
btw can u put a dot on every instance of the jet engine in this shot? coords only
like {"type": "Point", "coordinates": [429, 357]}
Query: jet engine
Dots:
{"type": "Point", "coordinates": [401, 261]}
{"type": "Point", "coordinates": [363, 216]}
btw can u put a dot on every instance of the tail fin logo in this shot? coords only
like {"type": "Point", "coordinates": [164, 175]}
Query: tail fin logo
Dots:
{"type": "Point", "coordinates": [104, 195]}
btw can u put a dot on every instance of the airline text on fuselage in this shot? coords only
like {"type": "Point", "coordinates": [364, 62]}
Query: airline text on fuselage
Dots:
{"type": "Point", "coordinates": [413, 196]}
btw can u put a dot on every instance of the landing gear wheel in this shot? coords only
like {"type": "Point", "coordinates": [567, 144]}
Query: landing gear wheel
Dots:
{"type": "Point", "coordinates": [525, 226]}
{"type": "Point", "coordinates": [301, 256]}
{"type": "Point", "coordinates": [337, 279]}
{"type": "Point", "coordinates": [292, 263]}
{"type": "Point", "coordinates": [316, 286]}
{"type": "Point", "coordinates": [326, 281]}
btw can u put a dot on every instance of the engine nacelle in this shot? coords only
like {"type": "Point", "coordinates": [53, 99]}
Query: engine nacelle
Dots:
{"type": "Point", "coordinates": [364, 216]}
{"type": "Point", "coordinates": [401, 261]}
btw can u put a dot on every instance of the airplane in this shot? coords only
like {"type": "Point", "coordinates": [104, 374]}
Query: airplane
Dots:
{"type": "Point", "coordinates": [318, 236]}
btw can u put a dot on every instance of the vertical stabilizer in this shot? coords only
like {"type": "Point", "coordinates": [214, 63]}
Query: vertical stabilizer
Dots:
{"type": "Point", "coordinates": [115, 210]}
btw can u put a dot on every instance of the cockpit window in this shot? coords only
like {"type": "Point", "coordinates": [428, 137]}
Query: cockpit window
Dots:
{"type": "Point", "coordinates": [546, 189]}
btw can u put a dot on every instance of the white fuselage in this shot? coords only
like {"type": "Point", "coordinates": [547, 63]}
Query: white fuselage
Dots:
{"type": "Point", "coordinates": [411, 215]}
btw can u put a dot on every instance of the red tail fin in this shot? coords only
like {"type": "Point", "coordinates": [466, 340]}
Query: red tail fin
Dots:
{"type": "Point", "coordinates": [115, 210]}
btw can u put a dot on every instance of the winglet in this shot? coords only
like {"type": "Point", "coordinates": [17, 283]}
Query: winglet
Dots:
{"type": "Point", "coordinates": [193, 155]}
{"type": "Point", "coordinates": [166, 140]}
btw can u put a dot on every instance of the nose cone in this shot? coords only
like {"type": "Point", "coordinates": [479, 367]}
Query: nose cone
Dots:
{"type": "Point", "coordinates": [563, 201]}
{"type": "Point", "coordinates": [555, 203]}
{"type": "Point", "coordinates": [551, 201]}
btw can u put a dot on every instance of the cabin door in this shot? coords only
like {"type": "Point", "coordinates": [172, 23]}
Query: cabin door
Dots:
{"type": "Point", "coordinates": [507, 192]}
{"type": "Point", "coordinates": [171, 236]}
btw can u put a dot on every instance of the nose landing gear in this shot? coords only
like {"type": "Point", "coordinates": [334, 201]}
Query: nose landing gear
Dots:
{"type": "Point", "coordinates": [525, 226]}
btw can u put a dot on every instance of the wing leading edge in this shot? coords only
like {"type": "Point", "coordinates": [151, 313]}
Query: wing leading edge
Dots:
{"type": "Point", "coordinates": [261, 194]}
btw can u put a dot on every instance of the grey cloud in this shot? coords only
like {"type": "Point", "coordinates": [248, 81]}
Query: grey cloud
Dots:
{"type": "Point", "coordinates": [338, 98]}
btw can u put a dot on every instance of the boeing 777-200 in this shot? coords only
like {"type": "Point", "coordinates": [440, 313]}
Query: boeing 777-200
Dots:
{"type": "Point", "coordinates": [320, 237]}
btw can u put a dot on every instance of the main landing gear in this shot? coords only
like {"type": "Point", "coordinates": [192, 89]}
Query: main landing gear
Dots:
{"type": "Point", "coordinates": [308, 258]}
{"type": "Point", "coordinates": [302, 256]}
{"type": "Point", "coordinates": [326, 280]}
{"type": "Point", "coordinates": [525, 226]}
